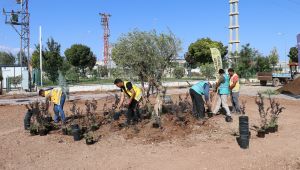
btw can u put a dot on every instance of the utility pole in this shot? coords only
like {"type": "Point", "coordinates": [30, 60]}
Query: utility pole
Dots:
{"type": "Point", "coordinates": [106, 33]}
{"type": "Point", "coordinates": [20, 20]}
{"type": "Point", "coordinates": [41, 57]}
{"type": "Point", "coordinates": [234, 40]}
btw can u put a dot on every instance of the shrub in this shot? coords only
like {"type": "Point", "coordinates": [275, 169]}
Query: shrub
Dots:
{"type": "Point", "coordinates": [179, 72]}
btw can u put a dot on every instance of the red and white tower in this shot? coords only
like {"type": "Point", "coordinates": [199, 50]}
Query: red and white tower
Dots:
{"type": "Point", "coordinates": [106, 34]}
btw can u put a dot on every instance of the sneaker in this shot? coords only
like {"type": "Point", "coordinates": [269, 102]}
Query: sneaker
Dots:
{"type": "Point", "coordinates": [228, 119]}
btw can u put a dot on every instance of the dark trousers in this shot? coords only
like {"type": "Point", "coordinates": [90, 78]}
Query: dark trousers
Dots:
{"type": "Point", "coordinates": [132, 112]}
{"type": "Point", "coordinates": [198, 104]}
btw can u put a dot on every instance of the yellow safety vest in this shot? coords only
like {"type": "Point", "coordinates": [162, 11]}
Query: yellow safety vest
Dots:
{"type": "Point", "coordinates": [237, 85]}
{"type": "Point", "coordinates": [138, 91]}
{"type": "Point", "coordinates": [54, 95]}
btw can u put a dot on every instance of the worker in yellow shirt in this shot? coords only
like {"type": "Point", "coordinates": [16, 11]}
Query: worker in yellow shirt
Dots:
{"type": "Point", "coordinates": [234, 87]}
{"type": "Point", "coordinates": [134, 94]}
{"type": "Point", "coordinates": [57, 97]}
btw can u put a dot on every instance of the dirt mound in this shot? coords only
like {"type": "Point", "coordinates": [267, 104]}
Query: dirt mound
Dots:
{"type": "Point", "coordinates": [291, 88]}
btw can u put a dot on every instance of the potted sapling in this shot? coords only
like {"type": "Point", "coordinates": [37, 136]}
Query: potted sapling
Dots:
{"type": "Point", "coordinates": [275, 109]}
{"type": "Point", "coordinates": [89, 139]}
{"type": "Point", "coordinates": [259, 100]}
{"type": "Point", "coordinates": [33, 129]}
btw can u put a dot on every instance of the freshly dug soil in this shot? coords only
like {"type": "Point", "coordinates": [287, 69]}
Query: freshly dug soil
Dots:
{"type": "Point", "coordinates": [291, 88]}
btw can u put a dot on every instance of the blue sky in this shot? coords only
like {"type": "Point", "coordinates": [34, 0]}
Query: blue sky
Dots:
{"type": "Point", "coordinates": [264, 23]}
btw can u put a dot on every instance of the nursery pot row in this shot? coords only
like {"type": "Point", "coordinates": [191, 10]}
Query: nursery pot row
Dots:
{"type": "Point", "coordinates": [272, 129]}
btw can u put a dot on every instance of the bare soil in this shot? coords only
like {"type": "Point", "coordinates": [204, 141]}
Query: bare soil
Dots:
{"type": "Point", "coordinates": [291, 88]}
{"type": "Point", "coordinates": [176, 145]}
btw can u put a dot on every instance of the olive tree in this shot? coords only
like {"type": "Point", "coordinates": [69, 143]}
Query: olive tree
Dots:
{"type": "Point", "coordinates": [146, 54]}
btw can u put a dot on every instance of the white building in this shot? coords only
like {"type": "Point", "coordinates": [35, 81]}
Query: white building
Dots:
{"type": "Point", "coordinates": [14, 71]}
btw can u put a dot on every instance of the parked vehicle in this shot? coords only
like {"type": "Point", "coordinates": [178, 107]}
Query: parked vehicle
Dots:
{"type": "Point", "coordinates": [279, 78]}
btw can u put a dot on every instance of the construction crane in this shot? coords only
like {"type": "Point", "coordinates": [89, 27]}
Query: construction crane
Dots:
{"type": "Point", "coordinates": [106, 33]}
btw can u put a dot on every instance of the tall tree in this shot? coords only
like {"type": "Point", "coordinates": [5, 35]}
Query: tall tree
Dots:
{"type": "Point", "coordinates": [35, 57]}
{"type": "Point", "coordinates": [251, 61]}
{"type": "Point", "coordinates": [7, 58]}
{"type": "Point", "coordinates": [274, 57]}
{"type": "Point", "coordinates": [293, 54]}
{"type": "Point", "coordinates": [81, 57]}
{"type": "Point", "coordinates": [52, 60]}
{"type": "Point", "coordinates": [199, 51]}
{"type": "Point", "coordinates": [146, 54]}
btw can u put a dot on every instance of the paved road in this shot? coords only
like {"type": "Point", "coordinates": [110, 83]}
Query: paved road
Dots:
{"type": "Point", "coordinates": [245, 90]}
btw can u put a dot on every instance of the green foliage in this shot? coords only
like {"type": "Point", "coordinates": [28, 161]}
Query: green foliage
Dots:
{"type": "Point", "coordinates": [274, 57]}
{"type": "Point", "coordinates": [251, 61]}
{"type": "Point", "coordinates": [52, 60]}
{"type": "Point", "coordinates": [199, 51]}
{"type": "Point", "coordinates": [7, 58]}
{"type": "Point", "coordinates": [146, 54]}
{"type": "Point", "coordinates": [103, 71]}
{"type": "Point", "coordinates": [72, 75]}
{"type": "Point", "coordinates": [208, 70]}
{"type": "Point", "coordinates": [16, 80]}
{"type": "Point", "coordinates": [293, 54]}
{"type": "Point", "coordinates": [35, 57]}
{"type": "Point", "coordinates": [179, 72]}
{"type": "Point", "coordinates": [116, 72]}
{"type": "Point", "coordinates": [262, 64]}
{"type": "Point", "coordinates": [81, 57]}
{"type": "Point", "coordinates": [1, 77]}
{"type": "Point", "coordinates": [24, 58]}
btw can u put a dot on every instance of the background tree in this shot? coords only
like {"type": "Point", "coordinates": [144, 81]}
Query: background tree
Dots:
{"type": "Point", "coordinates": [72, 75]}
{"type": "Point", "coordinates": [7, 58]}
{"type": "Point", "coordinates": [251, 61]}
{"type": "Point", "coordinates": [146, 54]}
{"type": "Point", "coordinates": [208, 71]}
{"type": "Point", "coordinates": [24, 58]}
{"type": "Point", "coordinates": [274, 57]}
{"type": "Point", "coordinates": [262, 64]}
{"type": "Point", "coordinates": [16, 80]}
{"type": "Point", "coordinates": [199, 51]}
{"type": "Point", "coordinates": [81, 57]}
{"type": "Point", "coordinates": [103, 71]}
{"type": "Point", "coordinates": [293, 54]}
{"type": "Point", "coordinates": [179, 72]}
{"type": "Point", "coordinates": [53, 61]}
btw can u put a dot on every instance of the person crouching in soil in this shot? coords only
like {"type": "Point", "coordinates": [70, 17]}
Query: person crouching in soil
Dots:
{"type": "Point", "coordinates": [134, 94]}
{"type": "Point", "coordinates": [57, 97]}
{"type": "Point", "coordinates": [196, 92]}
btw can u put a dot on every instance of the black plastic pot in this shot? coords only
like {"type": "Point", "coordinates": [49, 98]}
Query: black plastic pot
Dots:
{"type": "Point", "coordinates": [94, 127]}
{"type": "Point", "coordinates": [33, 132]}
{"type": "Point", "coordinates": [48, 119]}
{"type": "Point", "coordinates": [271, 129]}
{"type": "Point", "coordinates": [43, 132]}
{"type": "Point", "coordinates": [266, 130]}
{"type": "Point", "coordinates": [65, 131]}
{"type": "Point", "coordinates": [76, 132]}
{"type": "Point", "coordinates": [74, 126]}
{"type": "Point", "coordinates": [83, 129]}
{"type": "Point", "coordinates": [89, 141]}
{"type": "Point", "coordinates": [261, 134]}
{"type": "Point", "coordinates": [209, 114]}
{"type": "Point", "coordinates": [276, 128]}
{"type": "Point", "coordinates": [244, 141]}
{"type": "Point", "coordinates": [244, 132]}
